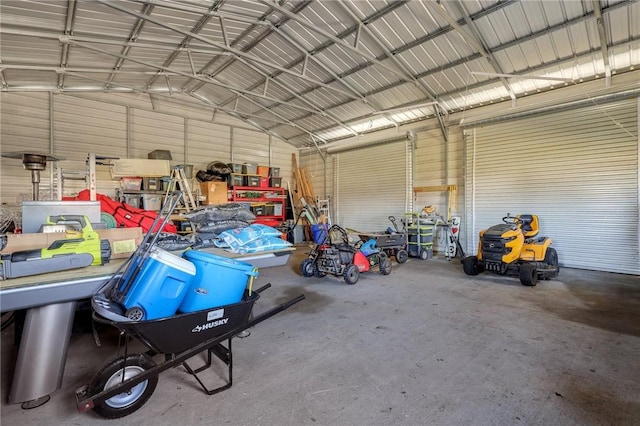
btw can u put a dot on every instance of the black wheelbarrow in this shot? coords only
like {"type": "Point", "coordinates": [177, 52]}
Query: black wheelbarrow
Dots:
{"type": "Point", "coordinates": [124, 384]}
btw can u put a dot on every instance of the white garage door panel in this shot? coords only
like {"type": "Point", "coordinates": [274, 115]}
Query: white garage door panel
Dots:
{"type": "Point", "coordinates": [577, 170]}
{"type": "Point", "coordinates": [372, 184]}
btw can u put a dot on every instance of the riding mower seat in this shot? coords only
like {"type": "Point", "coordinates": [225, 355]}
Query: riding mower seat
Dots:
{"type": "Point", "coordinates": [530, 227]}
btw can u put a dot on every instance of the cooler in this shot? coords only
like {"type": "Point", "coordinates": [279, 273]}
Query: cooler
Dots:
{"type": "Point", "coordinates": [160, 285]}
{"type": "Point", "coordinates": [219, 281]}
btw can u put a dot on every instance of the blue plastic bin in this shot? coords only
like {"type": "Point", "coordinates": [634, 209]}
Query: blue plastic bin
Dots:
{"type": "Point", "coordinates": [161, 284]}
{"type": "Point", "coordinates": [219, 281]}
{"type": "Point", "coordinates": [319, 232]}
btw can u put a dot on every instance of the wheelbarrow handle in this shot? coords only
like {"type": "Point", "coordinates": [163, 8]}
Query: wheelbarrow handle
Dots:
{"type": "Point", "coordinates": [271, 312]}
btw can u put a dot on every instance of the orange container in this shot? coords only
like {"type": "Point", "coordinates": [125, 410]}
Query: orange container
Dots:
{"type": "Point", "coordinates": [263, 171]}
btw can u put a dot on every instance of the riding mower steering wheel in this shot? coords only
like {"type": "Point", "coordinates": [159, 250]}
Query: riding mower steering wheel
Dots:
{"type": "Point", "coordinates": [514, 221]}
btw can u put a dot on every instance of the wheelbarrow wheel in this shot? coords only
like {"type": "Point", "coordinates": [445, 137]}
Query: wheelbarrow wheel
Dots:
{"type": "Point", "coordinates": [111, 375]}
{"type": "Point", "coordinates": [307, 268]}
{"type": "Point", "coordinates": [351, 274]}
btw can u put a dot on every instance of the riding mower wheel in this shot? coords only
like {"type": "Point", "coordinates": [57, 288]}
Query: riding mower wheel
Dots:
{"type": "Point", "coordinates": [472, 265]}
{"type": "Point", "coordinates": [551, 259]}
{"type": "Point", "coordinates": [529, 274]}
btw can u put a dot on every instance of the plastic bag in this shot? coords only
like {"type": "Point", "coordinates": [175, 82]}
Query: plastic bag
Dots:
{"type": "Point", "coordinates": [172, 242]}
{"type": "Point", "coordinates": [229, 211]}
{"type": "Point", "coordinates": [218, 168]}
{"type": "Point", "coordinates": [218, 227]}
{"type": "Point", "coordinates": [238, 239]}
{"type": "Point", "coordinates": [265, 243]}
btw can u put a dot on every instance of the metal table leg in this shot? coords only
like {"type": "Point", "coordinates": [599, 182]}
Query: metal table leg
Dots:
{"type": "Point", "coordinates": [42, 354]}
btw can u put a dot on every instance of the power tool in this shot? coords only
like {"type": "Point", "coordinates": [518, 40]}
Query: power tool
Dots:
{"type": "Point", "coordinates": [82, 249]}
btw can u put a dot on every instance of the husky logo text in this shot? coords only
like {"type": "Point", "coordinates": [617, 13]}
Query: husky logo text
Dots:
{"type": "Point", "coordinates": [212, 324]}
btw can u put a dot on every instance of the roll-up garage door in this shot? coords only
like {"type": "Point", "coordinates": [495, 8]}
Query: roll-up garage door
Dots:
{"type": "Point", "coordinates": [372, 184]}
{"type": "Point", "coordinates": [577, 170]}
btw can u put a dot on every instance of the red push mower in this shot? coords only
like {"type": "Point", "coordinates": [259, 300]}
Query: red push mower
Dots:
{"type": "Point", "coordinates": [336, 256]}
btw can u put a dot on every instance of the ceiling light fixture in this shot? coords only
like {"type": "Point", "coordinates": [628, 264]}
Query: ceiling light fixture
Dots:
{"type": "Point", "coordinates": [526, 77]}
{"type": "Point", "coordinates": [385, 111]}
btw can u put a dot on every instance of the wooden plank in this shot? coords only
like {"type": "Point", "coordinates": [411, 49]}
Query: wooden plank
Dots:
{"type": "Point", "coordinates": [309, 185]}
{"type": "Point", "coordinates": [435, 188]}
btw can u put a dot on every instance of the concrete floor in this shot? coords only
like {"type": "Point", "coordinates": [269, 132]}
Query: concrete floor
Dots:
{"type": "Point", "coordinates": [426, 345]}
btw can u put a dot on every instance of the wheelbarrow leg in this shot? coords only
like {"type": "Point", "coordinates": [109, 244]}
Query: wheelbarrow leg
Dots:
{"type": "Point", "coordinates": [223, 354]}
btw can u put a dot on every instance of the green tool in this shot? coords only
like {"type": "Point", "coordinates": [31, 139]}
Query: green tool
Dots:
{"type": "Point", "coordinates": [67, 253]}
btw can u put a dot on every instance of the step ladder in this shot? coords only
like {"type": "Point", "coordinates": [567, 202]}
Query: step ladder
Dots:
{"type": "Point", "coordinates": [178, 178]}
{"type": "Point", "coordinates": [324, 208]}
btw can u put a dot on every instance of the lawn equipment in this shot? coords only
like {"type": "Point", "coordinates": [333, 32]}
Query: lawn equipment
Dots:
{"type": "Point", "coordinates": [336, 256]}
{"type": "Point", "coordinates": [392, 243]}
{"type": "Point", "coordinates": [512, 248]}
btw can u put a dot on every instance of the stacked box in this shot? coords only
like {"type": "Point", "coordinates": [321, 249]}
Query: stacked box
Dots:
{"type": "Point", "coordinates": [253, 180]}
{"type": "Point", "coordinates": [274, 172]}
{"type": "Point", "coordinates": [235, 167]}
{"type": "Point", "coordinates": [264, 182]}
{"type": "Point", "coordinates": [159, 154]}
{"type": "Point", "coordinates": [263, 171]}
{"type": "Point", "coordinates": [250, 169]}
{"type": "Point", "coordinates": [131, 183]}
{"type": "Point", "coordinates": [258, 210]}
{"type": "Point", "coordinates": [214, 192]}
{"type": "Point", "coordinates": [236, 180]}
{"type": "Point", "coordinates": [276, 182]}
{"type": "Point", "coordinates": [133, 200]}
{"type": "Point", "coordinates": [151, 201]}
{"type": "Point", "coordinates": [152, 183]}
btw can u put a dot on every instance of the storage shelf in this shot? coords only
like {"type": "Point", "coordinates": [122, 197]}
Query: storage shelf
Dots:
{"type": "Point", "coordinates": [271, 198]}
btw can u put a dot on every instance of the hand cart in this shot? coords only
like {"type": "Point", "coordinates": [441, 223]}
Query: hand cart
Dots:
{"type": "Point", "coordinates": [125, 384]}
{"type": "Point", "coordinates": [393, 244]}
{"type": "Point", "coordinates": [419, 236]}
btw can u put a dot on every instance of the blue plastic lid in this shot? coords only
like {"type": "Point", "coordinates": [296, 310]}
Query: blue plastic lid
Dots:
{"type": "Point", "coordinates": [196, 255]}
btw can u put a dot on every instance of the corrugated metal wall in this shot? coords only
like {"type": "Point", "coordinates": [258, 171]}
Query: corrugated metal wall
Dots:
{"type": "Point", "coordinates": [24, 123]}
{"type": "Point", "coordinates": [150, 131]}
{"type": "Point", "coordinates": [107, 127]}
{"type": "Point", "coordinates": [207, 142]}
{"type": "Point", "coordinates": [372, 184]}
{"type": "Point", "coordinates": [82, 126]}
{"type": "Point", "coordinates": [250, 147]}
{"type": "Point", "coordinates": [577, 170]}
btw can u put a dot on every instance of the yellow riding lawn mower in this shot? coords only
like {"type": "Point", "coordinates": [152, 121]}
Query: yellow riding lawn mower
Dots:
{"type": "Point", "coordinates": [512, 248]}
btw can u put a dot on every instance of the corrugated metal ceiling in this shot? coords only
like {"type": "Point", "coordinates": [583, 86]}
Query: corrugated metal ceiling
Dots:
{"type": "Point", "coordinates": [313, 72]}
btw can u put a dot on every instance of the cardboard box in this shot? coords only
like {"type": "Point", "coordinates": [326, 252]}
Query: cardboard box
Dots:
{"type": "Point", "coordinates": [214, 192]}
{"type": "Point", "coordinates": [123, 241]}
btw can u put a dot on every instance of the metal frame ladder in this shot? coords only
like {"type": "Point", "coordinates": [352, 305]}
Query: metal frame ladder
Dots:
{"type": "Point", "coordinates": [178, 177]}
